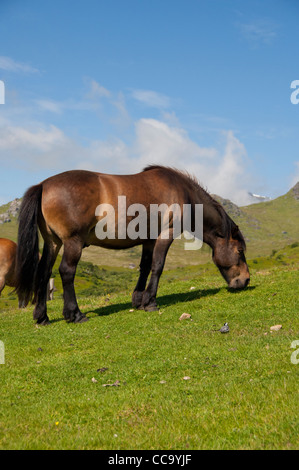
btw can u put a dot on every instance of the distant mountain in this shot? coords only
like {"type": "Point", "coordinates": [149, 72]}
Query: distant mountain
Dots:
{"type": "Point", "coordinates": [231, 208]}
{"type": "Point", "coordinates": [258, 198]}
{"type": "Point", "coordinates": [268, 225]}
{"type": "Point", "coordinates": [295, 191]}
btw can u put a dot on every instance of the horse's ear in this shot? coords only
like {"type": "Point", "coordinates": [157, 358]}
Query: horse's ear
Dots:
{"type": "Point", "coordinates": [235, 231]}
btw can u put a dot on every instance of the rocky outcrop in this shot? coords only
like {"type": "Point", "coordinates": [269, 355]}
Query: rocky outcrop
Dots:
{"type": "Point", "coordinates": [232, 209]}
{"type": "Point", "coordinates": [11, 212]}
{"type": "Point", "coordinates": [295, 191]}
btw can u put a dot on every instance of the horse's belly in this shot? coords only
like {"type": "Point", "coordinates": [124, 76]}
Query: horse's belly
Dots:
{"type": "Point", "coordinates": [112, 243]}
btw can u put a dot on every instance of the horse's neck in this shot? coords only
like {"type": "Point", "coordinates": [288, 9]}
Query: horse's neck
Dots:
{"type": "Point", "coordinates": [211, 219]}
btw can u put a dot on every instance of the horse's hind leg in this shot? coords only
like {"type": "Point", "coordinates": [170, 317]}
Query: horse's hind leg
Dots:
{"type": "Point", "coordinates": [145, 267]}
{"type": "Point", "coordinates": [44, 272]}
{"type": "Point", "coordinates": [67, 269]}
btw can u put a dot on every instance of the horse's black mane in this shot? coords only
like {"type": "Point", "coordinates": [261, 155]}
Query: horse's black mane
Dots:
{"type": "Point", "coordinates": [229, 228]}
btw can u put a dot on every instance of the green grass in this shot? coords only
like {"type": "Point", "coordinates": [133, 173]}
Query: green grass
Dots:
{"type": "Point", "coordinates": [242, 392]}
{"type": "Point", "coordinates": [9, 229]}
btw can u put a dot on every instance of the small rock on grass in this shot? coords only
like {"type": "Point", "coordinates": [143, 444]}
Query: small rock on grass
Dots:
{"type": "Point", "coordinates": [275, 327]}
{"type": "Point", "coordinates": [185, 316]}
{"type": "Point", "coordinates": [116, 384]}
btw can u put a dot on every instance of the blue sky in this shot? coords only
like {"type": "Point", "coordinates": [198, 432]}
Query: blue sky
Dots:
{"type": "Point", "coordinates": [112, 86]}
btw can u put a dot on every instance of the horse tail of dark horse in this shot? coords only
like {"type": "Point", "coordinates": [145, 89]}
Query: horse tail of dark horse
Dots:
{"type": "Point", "coordinates": [28, 244]}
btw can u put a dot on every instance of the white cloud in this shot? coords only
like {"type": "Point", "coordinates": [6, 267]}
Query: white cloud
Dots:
{"type": "Point", "coordinates": [229, 178]}
{"type": "Point", "coordinates": [45, 147]}
{"type": "Point", "coordinates": [262, 31]}
{"type": "Point", "coordinates": [97, 91]}
{"type": "Point", "coordinates": [111, 156]}
{"type": "Point", "coordinates": [108, 106]}
{"type": "Point", "coordinates": [50, 105]}
{"type": "Point", "coordinates": [59, 107]}
{"type": "Point", "coordinates": [33, 145]}
{"type": "Point", "coordinates": [151, 98]}
{"type": "Point", "coordinates": [14, 138]}
{"type": "Point", "coordinates": [6, 63]}
{"type": "Point", "coordinates": [122, 117]}
{"type": "Point", "coordinates": [221, 171]}
{"type": "Point", "coordinates": [158, 142]}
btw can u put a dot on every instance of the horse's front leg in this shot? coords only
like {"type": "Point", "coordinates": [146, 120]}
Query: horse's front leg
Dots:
{"type": "Point", "coordinates": [149, 302]}
{"type": "Point", "coordinates": [145, 267]}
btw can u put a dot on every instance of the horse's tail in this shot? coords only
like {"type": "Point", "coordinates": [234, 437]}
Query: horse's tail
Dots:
{"type": "Point", "coordinates": [28, 244]}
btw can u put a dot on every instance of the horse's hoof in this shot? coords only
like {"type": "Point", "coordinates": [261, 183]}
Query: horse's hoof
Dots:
{"type": "Point", "coordinates": [75, 317]}
{"type": "Point", "coordinates": [44, 322]}
{"type": "Point", "coordinates": [150, 308]}
{"type": "Point", "coordinates": [81, 319]}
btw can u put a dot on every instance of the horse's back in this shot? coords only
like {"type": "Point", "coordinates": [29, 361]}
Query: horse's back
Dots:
{"type": "Point", "coordinates": [82, 187]}
{"type": "Point", "coordinates": [70, 199]}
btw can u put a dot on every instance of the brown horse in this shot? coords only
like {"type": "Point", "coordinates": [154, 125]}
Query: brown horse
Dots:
{"type": "Point", "coordinates": [8, 250]}
{"type": "Point", "coordinates": [64, 208]}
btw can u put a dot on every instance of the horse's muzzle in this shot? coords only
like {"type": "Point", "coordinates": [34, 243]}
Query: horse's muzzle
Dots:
{"type": "Point", "coordinates": [239, 283]}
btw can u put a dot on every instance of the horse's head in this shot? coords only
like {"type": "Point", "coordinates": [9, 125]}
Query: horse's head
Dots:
{"type": "Point", "coordinates": [229, 257]}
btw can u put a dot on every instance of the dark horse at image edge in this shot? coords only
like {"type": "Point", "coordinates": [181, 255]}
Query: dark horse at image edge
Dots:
{"type": "Point", "coordinates": [63, 208]}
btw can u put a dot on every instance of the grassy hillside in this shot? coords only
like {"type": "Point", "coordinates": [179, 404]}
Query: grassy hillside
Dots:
{"type": "Point", "coordinates": [139, 380]}
{"type": "Point", "coordinates": [9, 230]}
{"type": "Point", "coordinates": [268, 225]}
{"type": "Point", "coordinates": [271, 225]}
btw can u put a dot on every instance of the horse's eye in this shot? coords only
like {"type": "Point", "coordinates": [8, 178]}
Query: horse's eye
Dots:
{"type": "Point", "coordinates": [240, 251]}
